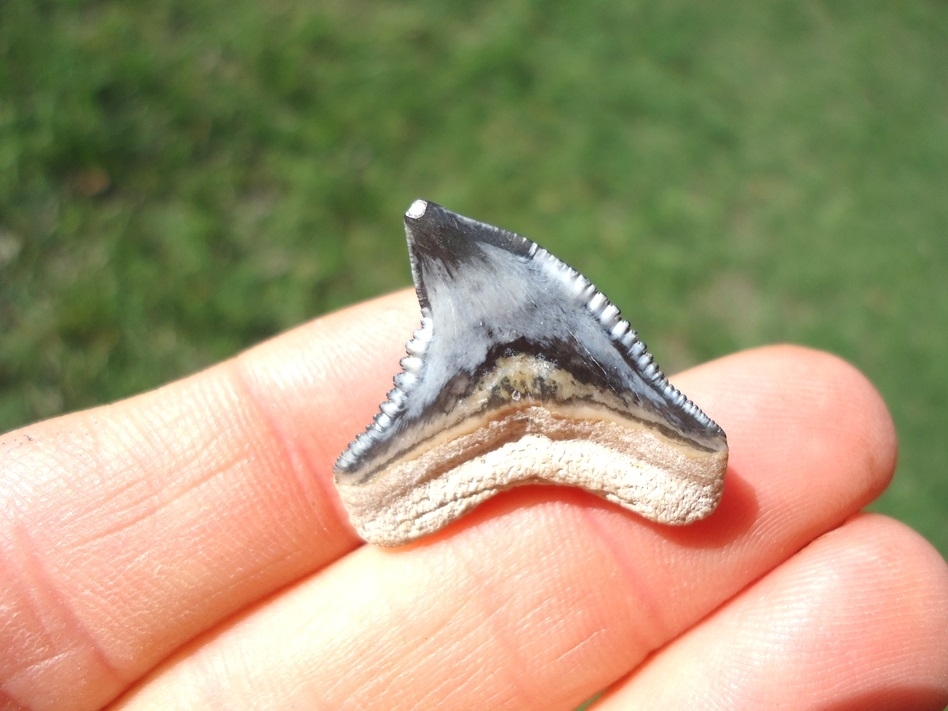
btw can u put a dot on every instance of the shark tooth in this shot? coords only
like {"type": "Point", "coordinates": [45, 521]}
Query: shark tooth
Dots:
{"type": "Point", "coordinates": [522, 372]}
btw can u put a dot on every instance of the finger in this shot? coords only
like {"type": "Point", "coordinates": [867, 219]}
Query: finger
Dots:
{"type": "Point", "coordinates": [857, 620]}
{"type": "Point", "coordinates": [543, 596]}
{"type": "Point", "coordinates": [127, 529]}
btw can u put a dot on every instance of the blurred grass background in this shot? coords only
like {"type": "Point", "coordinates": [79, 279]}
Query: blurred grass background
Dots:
{"type": "Point", "coordinates": [180, 180]}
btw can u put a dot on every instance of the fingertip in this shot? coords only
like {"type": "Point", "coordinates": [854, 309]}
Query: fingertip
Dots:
{"type": "Point", "coordinates": [847, 402]}
{"type": "Point", "coordinates": [804, 402]}
{"type": "Point", "coordinates": [881, 585]}
{"type": "Point", "coordinates": [857, 619]}
{"type": "Point", "coordinates": [891, 556]}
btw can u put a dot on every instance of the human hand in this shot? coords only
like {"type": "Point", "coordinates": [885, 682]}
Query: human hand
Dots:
{"type": "Point", "coordinates": [186, 549]}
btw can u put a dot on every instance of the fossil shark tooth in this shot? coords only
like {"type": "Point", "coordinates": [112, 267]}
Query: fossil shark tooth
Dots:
{"type": "Point", "coordinates": [522, 372]}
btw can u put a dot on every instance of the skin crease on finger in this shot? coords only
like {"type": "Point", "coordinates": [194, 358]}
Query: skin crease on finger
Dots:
{"type": "Point", "coordinates": [543, 596]}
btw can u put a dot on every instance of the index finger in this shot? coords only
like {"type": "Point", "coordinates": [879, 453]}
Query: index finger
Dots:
{"type": "Point", "coordinates": [128, 529]}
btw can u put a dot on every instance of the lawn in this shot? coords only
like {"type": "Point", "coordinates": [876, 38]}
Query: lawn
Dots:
{"type": "Point", "coordinates": [180, 180]}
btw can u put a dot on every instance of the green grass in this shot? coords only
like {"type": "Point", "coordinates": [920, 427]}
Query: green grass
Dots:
{"type": "Point", "coordinates": [179, 180]}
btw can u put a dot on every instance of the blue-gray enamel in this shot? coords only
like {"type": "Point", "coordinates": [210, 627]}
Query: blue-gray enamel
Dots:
{"type": "Point", "coordinates": [487, 296]}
